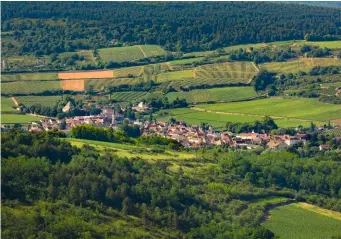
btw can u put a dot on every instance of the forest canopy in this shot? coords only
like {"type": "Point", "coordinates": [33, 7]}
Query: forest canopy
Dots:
{"type": "Point", "coordinates": [70, 26]}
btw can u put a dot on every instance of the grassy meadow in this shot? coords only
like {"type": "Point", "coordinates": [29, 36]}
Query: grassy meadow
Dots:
{"type": "Point", "coordinates": [226, 94]}
{"type": "Point", "coordinates": [295, 221]}
{"type": "Point", "coordinates": [17, 119]}
{"type": "Point", "coordinates": [132, 151]}
{"type": "Point", "coordinates": [174, 76]}
{"type": "Point", "coordinates": [6, 105]}
{"type": "Point", "coordinates": [289, 107]}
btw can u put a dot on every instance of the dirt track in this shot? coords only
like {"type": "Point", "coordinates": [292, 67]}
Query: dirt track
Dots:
{"type": "Point", "coordinates": [15, 101]}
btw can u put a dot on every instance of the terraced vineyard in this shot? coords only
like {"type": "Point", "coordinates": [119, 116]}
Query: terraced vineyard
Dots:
{"type": "Point", "coordinates": [129, 96]}
{"type": "Point", "coordinates": [236, 72]}
{"type": "Point", "coordinates": [42, 100]}
{"type": "Point", "coordinates": [101, 84]}
{"type": "Point", "coordinates": [29, 87]}
{"type": "Point", "coordinates": [187, 83]}
{"type": "Point", "coordinates": [174, 76]}
{"type": "Point", "coordinates": [29, 77]}
{"type": "Point", "coordinates": [217, 94]}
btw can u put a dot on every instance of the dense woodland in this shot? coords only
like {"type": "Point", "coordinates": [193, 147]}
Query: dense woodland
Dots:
{"type": "Point", "coordinates": [80, 193]}
{"type": "Point", "coordinates": [52, 27]}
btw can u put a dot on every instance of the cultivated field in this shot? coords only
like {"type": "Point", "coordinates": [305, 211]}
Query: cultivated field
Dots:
{"type": "Point", "coordinates": [302, 64]}
{"type": "Point", "coordinates": [128, 71]}
{"type": "Point", "coordinates": [42, 100]}
{"type": "Point", "coordinates": [129, 96]}
{"type": "Point", "coordinates": [29, 77]}
{"type": "Point", "coordinates": [29, 87]}
{"type": "Point", "coordinates": [74, 85]}
{"type": "Point", "coordinates": [296, 108]}
{"type": "Point", "coordinates": [152, 50]}
{"type": "Point", "coordinates": [226, 94]}
{"type": "Point", "coordinates": [121, 54]}
{"type": "Point", "coordinates": [6, 105]}
{"type": "Point", "coordinates": [236, 72]}
{"type": "Point", "coordinates": [101, 84]}
{"type": "Point", "coordinates": [17, 119]}
{"type": "Point", "coordinates": [297, 221]}
{"type": "Point", "coordinates": [218, 121]}
{"type": "Point", "coordinates": [290, 107]}
{"type": "Point", "coordinates": [174, 76]}
{"type": "Point", "coordinates": [85, 75]}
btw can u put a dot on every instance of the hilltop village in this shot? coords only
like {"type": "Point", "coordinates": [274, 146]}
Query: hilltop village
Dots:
{"type": "Point", "coordinates": [190, 136]}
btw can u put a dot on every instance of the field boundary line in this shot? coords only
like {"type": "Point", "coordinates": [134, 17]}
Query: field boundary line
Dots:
{"type": "Point", "coordinates": [255, 66]}
{"type": "Point", "coordinates": [245, 114]}
{"type": "Point", "coordinates": [143, 53]}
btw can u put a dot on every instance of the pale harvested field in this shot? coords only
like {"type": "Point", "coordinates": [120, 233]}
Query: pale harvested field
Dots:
{"type": "Point", "coordinates": [74, 85]}
{"type": "Point", "coordinates": [85, 75]}
{"type": "Point", "coordinates": [326, 212]}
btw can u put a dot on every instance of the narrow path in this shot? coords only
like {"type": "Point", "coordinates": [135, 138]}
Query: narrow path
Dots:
{"type": "Point", "coordinates": [255, 66]}
{"type": "Point", "coordinates": [15, 101]}
{"type": "Point", "coordinates": [243, 114]}
{"type": "Point", "coordinates": [144, 54]}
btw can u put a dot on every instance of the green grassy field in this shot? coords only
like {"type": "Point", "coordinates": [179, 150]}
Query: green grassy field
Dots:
{"type": "Point", "coordinates": [302, 64]}
{"type": "Point", "coordinates": [129, 96]}
{"type": "Point", "coordinates": [30, 77]}
{"type": "Point", "coordinates": [218, 121]}
{"type": "Point", "coordinates": [328, 44]}
{"type": "Point", "coordinates": [42, 100]}
{"type": "Point", "coordinates": [186, 61]}
{"type": "Point", "coordinates": [6, 105]}
{"type": "Point", "coordinates": [17, 119]}
{"type": "Point", "coordinates": [289, 107]}
{"type": "Point", "coordinates": [133, 151]}
{"type": "Point", "coordinates": [294, 222]}
{"type": "Point", "coordinates": [226, 94]}
{"type": "Point", "coordinates": [29, 87]}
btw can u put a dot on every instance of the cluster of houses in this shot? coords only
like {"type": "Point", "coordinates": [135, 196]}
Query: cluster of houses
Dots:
{"type": "Point", "coordinates": [188, 136]}
{"type": "Point", "coordinates": [197, 137]}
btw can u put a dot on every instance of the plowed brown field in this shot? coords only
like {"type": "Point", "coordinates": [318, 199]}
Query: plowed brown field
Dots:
{"type": "Point", "coordinates": [75, 85]}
